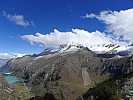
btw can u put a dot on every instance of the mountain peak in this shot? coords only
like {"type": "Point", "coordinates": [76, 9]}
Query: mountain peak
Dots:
{"type": "Point", "coordinates": [99, 48]}
{"type": "Point", "coordinates": [70, 47]}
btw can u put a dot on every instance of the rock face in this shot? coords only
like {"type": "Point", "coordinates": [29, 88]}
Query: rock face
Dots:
{"type": "Point", "coordinates": [86, 77]}
{"type": "Point", "coordinates": [67, 74]}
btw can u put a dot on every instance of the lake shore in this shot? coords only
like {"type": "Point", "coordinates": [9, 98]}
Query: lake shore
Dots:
{"type": "Point", "coordinates": [15, 87]}
{"type": "Point", "coordinates": [6, 90]}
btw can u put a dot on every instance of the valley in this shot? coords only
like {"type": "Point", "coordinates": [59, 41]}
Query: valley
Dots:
{"type": "Point", "coordinates": [13, 89]}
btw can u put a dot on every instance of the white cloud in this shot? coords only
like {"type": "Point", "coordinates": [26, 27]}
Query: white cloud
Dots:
{"type": "Point", "coordinates": [119, 23]}
{"type": "Point", "coordinates": [57, 38]}
{"type": "Point", "coordinates": [10, 56]}
{"type": "Point", "coordinates": [18, 19]}
{"type": "Point", "coordinates": [89, 16]}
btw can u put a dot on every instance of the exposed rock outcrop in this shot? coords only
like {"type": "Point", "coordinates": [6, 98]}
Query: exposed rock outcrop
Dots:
{"type": "Point", "coordinates": [86, 77]}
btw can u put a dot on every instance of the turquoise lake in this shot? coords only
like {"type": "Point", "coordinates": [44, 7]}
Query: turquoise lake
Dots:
{"type": "Point", "coordinates": [10, 79]}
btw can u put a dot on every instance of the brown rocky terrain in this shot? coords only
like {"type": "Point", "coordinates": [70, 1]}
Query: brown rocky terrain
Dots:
{"type": "Point", "coordinates": [67, 75]}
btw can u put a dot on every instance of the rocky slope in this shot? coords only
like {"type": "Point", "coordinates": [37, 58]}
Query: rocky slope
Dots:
{"type": "Point", "coordinates": [69, 72]}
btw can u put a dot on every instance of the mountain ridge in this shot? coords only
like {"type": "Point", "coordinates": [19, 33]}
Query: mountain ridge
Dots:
{"type": "Point", "coordinates": [64, 73]}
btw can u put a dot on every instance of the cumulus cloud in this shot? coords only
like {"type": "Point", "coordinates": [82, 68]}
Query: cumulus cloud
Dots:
{"type": "Point", "coordinates": [18, 19]}
{"type": "Point", "coordinates": [10, 56]}
{"type": "Point", "coordinates": [57, 38]}
{"type": "Point", "coordinates": [119, 23]}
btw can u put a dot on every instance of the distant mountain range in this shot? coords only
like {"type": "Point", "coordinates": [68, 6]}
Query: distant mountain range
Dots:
{"type": "Point", "coordinates": [98, 49]}
{"type": "Point", "coordinates": [5, 57]}
{"type": "Point", "coordinates": [10, 55]}
{"type": "Point", "coordinates": [3, 61]}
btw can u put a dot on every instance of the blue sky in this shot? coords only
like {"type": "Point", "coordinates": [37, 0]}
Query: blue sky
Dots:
{"type": "Point", "coordinates": [47, 15]}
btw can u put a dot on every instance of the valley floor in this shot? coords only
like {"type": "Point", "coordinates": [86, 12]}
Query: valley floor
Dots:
{"type": "Point", "coordinates": [17, 91]}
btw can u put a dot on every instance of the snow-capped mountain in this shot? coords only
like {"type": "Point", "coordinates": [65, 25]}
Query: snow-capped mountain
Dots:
{"type": "Point", "coordinates": [10, 55]}
{"type": "Point", "coordinates": [48, 51]}
{"type": "Point", "coordinates": [99, 49]}
{"type": "Point", "coordinates": [5, 57]}
{"type": "Point", "coordinates": [62, 49]}
{"type": "Point", "coordinates": [110, 48]}
{"type": "Point", "coordinates": [70, 47]}
{"type": "Point", "coordinates": [3, 61]}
